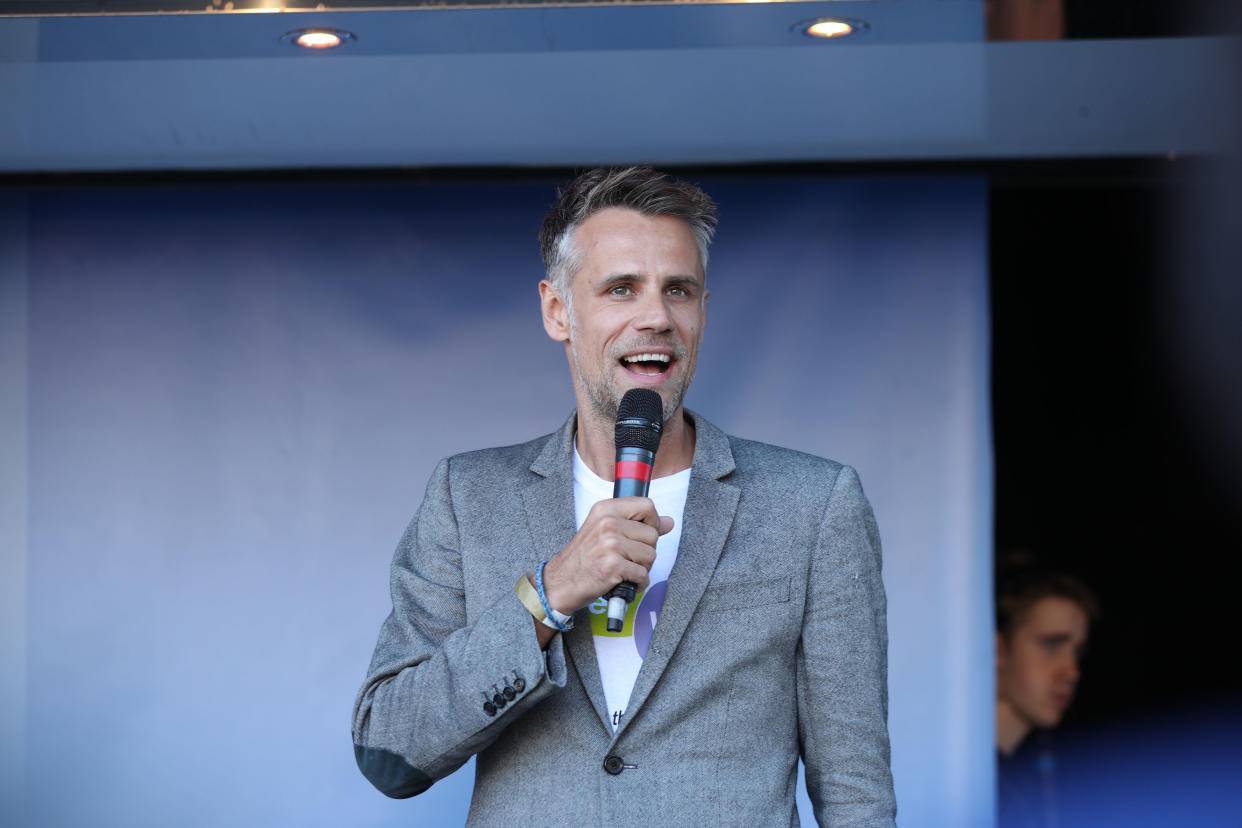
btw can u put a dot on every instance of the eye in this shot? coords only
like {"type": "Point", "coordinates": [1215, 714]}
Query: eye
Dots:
{"type": "Point", "coordinates": [619, 290]}
{"type": "Point", "coordinates": [678, 290]}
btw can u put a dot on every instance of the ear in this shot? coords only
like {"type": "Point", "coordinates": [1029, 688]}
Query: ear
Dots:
{"type": "Point", "coordinates": [1000, 650]}
{"type": "Point", "coordinates": [555, 314]}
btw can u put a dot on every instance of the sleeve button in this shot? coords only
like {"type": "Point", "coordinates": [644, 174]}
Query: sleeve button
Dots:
{"type": "Point", "coordinates": [499, 700]}
{"type": "Point", "coordinates": [489, 708]}
{"type": "Point", "coordinates": [519, 685]}
{"type": "Point", "coordinates": [509, 693]}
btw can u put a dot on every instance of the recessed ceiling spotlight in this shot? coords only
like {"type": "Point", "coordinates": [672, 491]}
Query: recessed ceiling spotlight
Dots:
{"type": "Point", "coordinates": [826, 27]}
{"type": "Point", "coordinates": [318, 38]}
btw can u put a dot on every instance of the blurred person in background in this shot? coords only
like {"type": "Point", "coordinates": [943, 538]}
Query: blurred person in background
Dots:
{"type": "Point", "coordinates": [1043, 617]}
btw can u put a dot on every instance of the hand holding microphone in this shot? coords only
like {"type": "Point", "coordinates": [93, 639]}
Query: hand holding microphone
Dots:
{"type": "Point", "coordinates": [615, 547]}
{"type": "Point", "coordinates": [637, 435]}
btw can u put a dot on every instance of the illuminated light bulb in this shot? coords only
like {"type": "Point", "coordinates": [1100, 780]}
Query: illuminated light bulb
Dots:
{"type": "Point", "coordinates": [829, 28]}
{"type": "Point", "coordinates": [318, 40]}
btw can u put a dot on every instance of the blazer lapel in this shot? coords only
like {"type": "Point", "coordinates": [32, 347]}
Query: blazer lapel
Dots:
{"type": "Point", "coordinates": [710, 508]}
{"type": "Point", "coordinates": [549, 507]}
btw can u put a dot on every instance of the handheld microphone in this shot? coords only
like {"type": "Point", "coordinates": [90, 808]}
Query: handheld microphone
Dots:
{"type": "Point", "coordinates": [640, 416]}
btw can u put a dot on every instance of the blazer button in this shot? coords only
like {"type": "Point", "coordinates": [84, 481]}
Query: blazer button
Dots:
{"type": "Point", "coordinates": [489, 708]}
{"type": "Point", "coordinates": [613, 764]}
{"type": "Point", "coordinates": [509, 693]}
{"type": "Point", "coordinates": [519, 685]}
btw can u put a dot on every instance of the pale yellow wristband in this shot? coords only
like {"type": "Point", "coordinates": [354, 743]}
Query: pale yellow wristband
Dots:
{"type": "Point", "coordinates": [529, 597]}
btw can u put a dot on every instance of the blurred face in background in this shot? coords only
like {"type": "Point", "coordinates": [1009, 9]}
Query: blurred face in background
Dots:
{"type": "Point", "coordinates": [1037, 662]}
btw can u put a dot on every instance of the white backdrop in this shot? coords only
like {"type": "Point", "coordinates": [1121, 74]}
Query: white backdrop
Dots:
{"type": "Point", "coordinates": [230, 399]}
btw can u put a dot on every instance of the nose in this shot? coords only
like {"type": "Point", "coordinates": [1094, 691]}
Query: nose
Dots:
{"type": "Point", "coordinates": [1070, 670]}
{"type": "Point", "coordinates": [652, 313]}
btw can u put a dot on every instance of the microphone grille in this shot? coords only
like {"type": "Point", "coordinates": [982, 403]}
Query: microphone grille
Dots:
{"type": "Point", "coordinates": [640, 417]}
{"type": "Point", "coordinates": [643, 404]}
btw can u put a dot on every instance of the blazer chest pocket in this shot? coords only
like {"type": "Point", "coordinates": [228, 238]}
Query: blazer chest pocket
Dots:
{"type": "Point", "coordinates": [745, 594]}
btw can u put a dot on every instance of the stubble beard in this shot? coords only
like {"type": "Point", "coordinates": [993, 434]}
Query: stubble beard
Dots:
{"type": "Point", "coordinates": [605, 397]}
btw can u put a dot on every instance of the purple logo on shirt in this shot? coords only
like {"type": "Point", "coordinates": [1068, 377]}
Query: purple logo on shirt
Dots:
{"type": "Point", "coordinates": [645, 616]}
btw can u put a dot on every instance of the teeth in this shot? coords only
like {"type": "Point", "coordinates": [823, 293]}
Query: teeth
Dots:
{"type": "Point", "coordinates": [646, 358]}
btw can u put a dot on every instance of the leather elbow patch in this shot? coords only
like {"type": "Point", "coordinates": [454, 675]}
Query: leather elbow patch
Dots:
{"type": "Point", "coordinates": [390, 773]}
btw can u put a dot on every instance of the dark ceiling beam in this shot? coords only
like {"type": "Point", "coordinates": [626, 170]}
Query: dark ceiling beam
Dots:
{"type": "Point", "coordinates": [701, 101]}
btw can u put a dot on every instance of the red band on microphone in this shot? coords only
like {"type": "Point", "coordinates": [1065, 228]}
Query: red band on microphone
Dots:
{"type": "Point", "coordinates": [633, 470]}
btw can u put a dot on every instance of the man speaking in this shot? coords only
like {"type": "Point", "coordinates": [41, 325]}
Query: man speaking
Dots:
{"type": "Point", "coordinates": [757, 631]}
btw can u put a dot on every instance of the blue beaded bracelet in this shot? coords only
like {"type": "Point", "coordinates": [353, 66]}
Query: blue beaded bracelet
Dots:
{"type": "Point", "coordinates": [553, 616]}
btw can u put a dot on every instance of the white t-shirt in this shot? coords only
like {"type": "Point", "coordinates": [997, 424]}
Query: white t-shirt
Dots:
{"type": "Point", "coordinates": [620, 655]}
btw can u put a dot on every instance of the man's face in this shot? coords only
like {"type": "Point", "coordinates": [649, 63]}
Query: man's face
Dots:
{"type": "Point", "coordinates": [638, 309]}
{"type": "Point", "coordinates": [1037, 665]}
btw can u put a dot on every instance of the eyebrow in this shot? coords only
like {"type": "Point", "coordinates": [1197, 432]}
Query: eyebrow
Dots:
{"type": "Point", "coordinates": [693, 281]}
{"type": "Point", "coordinates": [616, 279]}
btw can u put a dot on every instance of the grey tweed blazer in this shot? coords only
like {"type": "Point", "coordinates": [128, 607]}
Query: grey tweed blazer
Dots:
{"type": "Point", "coordinates": [770, 645]}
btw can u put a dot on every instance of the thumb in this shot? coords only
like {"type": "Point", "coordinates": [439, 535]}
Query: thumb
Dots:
{"type": "Point", "coordinates": [666, 524]}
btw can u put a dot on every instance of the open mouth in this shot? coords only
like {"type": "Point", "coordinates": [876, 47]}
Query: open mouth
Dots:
{"type": "Point", "coordinates": [648, 364]}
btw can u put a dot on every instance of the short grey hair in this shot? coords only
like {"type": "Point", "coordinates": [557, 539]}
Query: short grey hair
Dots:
{"type": "Point", "coordinates": [642, 189]}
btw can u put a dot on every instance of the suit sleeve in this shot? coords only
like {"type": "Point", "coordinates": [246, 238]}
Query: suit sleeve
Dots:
{"type": "Point", "coordinates": [420, 713]}
{"type": "Point", "coordinates": [842, 668]}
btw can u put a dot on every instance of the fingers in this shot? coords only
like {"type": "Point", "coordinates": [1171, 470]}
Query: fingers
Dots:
{"type": "Point", "coordinates": [636, 513]}
{"type": "Point", "coordinates": [617, 542]}
{"type": "Point", "coordinates": [641, 509]}
{"type": "Point", "coordinates": [632, 530]}
{"type": "Point", "coordinates": [636, 574]}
